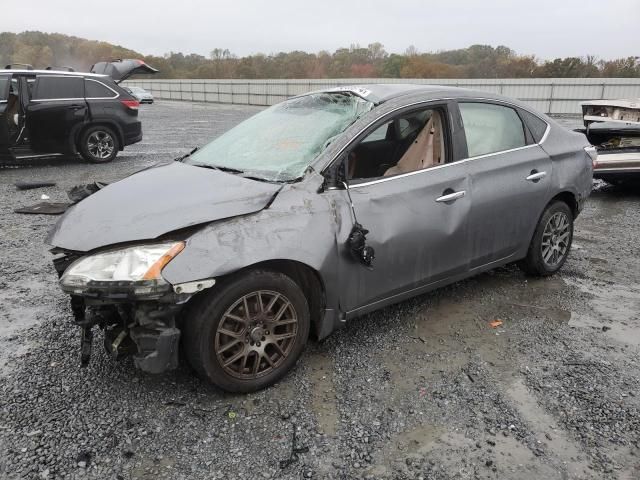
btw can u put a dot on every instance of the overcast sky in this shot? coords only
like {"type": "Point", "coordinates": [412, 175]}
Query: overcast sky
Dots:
{"type": "Point", "coordinates": [545, 28]}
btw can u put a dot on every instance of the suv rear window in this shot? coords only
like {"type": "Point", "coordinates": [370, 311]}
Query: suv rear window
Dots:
{"type": "Point", "coordinates": [95, 89]}
{"type": "Point", "coordinates": [58, 88]}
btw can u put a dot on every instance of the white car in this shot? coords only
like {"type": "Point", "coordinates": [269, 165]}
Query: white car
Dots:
{"type": "Point", "coordinates": [140, 93]}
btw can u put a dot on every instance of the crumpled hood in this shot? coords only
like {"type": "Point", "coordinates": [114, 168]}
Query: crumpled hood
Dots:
{"type": "Point", "coordinates": [157, 201]}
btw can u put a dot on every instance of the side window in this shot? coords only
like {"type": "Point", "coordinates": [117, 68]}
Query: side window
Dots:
{"type": "Point", "coordinates": [491, 128]}
{"type": "Point", "coordinates": [58, 87]}
{"type": "Point", "coordinates": [378, 134]}
{"type": "Point", "coordinates": [407, 143]}
{"type": "Point", "coordinates": [536, 125]}
{"type": "Point", "coordinates": [95, 89]}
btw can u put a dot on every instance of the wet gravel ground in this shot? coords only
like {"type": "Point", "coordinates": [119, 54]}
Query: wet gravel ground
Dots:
{"type": "Point", "coordinates": [422, 390]}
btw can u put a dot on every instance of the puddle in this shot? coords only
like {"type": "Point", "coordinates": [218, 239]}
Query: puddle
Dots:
{"type": "Point", "coordinates": [546, 430]}
{"type": "Point", "coordinates": [323, 399]}
{"type": "Point", "coordinates": [415, 443]}
{"type": "Point", "coordinates": [614, 311]}
{"type": "Point", "coordinates": [453, 452]}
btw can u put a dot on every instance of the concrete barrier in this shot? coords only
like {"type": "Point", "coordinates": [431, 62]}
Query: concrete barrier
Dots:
{"type": "Point", "coordinates": [555, 96]}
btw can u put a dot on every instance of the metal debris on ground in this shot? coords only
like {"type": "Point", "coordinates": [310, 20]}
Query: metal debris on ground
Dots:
{"type": "Point", "coordinates": [32, 185]}
{"type": "Point", "coordinates": [44, 208]}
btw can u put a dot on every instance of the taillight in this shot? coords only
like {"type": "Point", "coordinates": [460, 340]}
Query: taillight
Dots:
{"type": "Point", "coordinates": [132, 104]}
{"type": "Point", "coordinates": [593, 154]}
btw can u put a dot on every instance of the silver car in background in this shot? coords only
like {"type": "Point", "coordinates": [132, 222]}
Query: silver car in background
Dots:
{"type": "Point", "coordinates": [311, 213]}
{"type": "Point", "coordinates": [140, 93]}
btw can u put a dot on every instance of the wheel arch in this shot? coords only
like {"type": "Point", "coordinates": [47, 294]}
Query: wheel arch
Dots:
{"type": "Point", "coordinates": [306, 277]}
{"type": "Point", "coordinates": [567, 197]}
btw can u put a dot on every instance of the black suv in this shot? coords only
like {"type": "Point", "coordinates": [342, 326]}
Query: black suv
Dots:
{"type": "Point", "coordinates": [54, 112]}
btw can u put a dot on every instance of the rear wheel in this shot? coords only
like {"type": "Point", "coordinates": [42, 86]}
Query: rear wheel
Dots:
{"type": "Point", "coordinates": [250, 333]}
{"type": "Point", "coordinates": [551, 241]}
{"type": "Point", "coordinates": [99, 144]}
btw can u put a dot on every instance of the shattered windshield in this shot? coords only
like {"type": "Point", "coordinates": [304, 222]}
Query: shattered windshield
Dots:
{"type": "Point", "coordinates": [280, 142]}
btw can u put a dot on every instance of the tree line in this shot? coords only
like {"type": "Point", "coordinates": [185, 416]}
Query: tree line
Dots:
{"type": "Point", "coordinates": [477, 61]}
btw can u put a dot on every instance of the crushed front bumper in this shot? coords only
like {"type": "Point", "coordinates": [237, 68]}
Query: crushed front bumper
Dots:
{"type": "Point", "coordinates": [139, 321]}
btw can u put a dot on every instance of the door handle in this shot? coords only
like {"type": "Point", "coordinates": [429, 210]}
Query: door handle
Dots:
{"type": "Point", "coordinates": [536, 176]}
{"type": "Point", "coordinates": [451, 197]}
{"type": "Point", "coordinates": [75, 107]}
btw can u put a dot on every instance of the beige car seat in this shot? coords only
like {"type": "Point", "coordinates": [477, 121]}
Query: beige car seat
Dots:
{"type": "Point", "coordinates": [427, 150]}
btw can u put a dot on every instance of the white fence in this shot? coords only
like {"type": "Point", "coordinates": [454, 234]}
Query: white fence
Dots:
{"type": "Point", "coordinates": [555, 96]}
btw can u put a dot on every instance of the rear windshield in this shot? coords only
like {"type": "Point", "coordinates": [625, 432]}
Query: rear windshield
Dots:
{"type": "Point", "coordinates": [280, 142]}
{"type": "Point", "coordinates": [4, 87]}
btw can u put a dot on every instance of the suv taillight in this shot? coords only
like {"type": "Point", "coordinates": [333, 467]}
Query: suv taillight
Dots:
{"type": "Point", "coordinates": [132, 104]}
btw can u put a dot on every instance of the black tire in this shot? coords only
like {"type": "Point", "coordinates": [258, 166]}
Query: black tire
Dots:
{"type": "Point", "coordinates": [534, 263]}
{"type": "Point", "coordinates": [99, 144]}
{"type": "Point", "coordinates": [204, 319]}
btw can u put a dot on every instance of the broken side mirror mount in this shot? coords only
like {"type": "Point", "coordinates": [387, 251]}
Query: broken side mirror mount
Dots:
{"type": "Point", "coordinates": [357, 241]}
{"type": "Point", "coordinates": [358, 247]}
{"type": "Point", "coordinates": [335, 176]}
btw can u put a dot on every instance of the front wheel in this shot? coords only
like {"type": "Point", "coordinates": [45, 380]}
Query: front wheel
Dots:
{"type": "Point", "coordinates": [250, 333]}
{"type": "Point", "coordinates": [551, 241]}
{"type": "Point", "coordinates": [98, 144]}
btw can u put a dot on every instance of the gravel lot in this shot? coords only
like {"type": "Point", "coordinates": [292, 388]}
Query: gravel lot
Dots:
{"type": "Point", "coordinates": [425, 389]}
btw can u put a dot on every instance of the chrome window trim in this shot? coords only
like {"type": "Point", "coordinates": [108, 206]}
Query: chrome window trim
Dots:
{"type": "Point", "coordinates": [546, 133]}
{"type": "Point", "coordinates": [56, 99]}
{"type": "Point", "coordinates": [464, 160]}
{"type": "Point", "coordinates": [106, 86]}
{"type": "Point", "coordinates": [431, 169]}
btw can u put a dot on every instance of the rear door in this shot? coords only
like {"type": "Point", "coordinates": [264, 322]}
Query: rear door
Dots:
{"type": "Point", "coordinates": [56, 111]}
{"type": "Point", "coordinates": [509, 179]}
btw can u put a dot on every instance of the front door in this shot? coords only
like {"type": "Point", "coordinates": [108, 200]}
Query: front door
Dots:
{"type": "Point", "coordinates": [416, 212]}
{"type": "Point", "coordinates": [510, 177]}
{"type": "Point", "coordinates": [57, 108]}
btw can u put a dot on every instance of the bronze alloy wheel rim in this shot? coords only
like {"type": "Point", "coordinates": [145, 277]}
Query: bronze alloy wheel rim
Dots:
{"type": "Point", "coordinates": [256, 334]}
{"type": "Point", "coordinates": [555, 239]}
{"type": "Point", "coordinates": [100, 144]}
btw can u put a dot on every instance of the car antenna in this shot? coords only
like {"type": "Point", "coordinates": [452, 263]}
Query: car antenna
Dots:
{"type": "Point", "coordinates": [357, 240]}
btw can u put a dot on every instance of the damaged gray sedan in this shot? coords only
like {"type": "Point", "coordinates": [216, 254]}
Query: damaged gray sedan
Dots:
{"type": "Point", "coordinates": [311, 213]}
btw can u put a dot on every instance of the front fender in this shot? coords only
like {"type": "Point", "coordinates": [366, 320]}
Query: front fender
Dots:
{"type": "Point", "coordinates": [300, 225]}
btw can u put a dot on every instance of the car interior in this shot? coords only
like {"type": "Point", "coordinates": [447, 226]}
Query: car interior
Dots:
{"type": "Point", "coordinates": [405, 144]}
{"type": "Point", "coordinates": [13, 111]}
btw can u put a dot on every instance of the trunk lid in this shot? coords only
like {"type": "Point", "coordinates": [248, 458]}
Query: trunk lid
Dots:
{"type": "Point", "coordinates": [120, 70]}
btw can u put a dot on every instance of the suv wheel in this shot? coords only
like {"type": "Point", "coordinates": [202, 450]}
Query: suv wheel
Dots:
{"type": "Point", "coordinates": [551, 241]}
{"type": "Point", "coordinates": [249, 333]}
{"type": "Point", "coordinates": [99, 144]}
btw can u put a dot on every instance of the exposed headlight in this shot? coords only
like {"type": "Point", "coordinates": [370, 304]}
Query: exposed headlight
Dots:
{"type": "Point", "coordinates": [142, 263]}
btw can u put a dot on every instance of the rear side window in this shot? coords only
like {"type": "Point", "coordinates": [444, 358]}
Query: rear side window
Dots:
{"type": "Point", "coordinates": [491, 128]}
{"type": "Point", "coordinates": [537, 126]}
{"type": "Point", "coordinates": [4, 87]}
{"type": "Point", "coordinates": [95, 89]}
{"type": "Point", "coordinates": [58, 88]}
